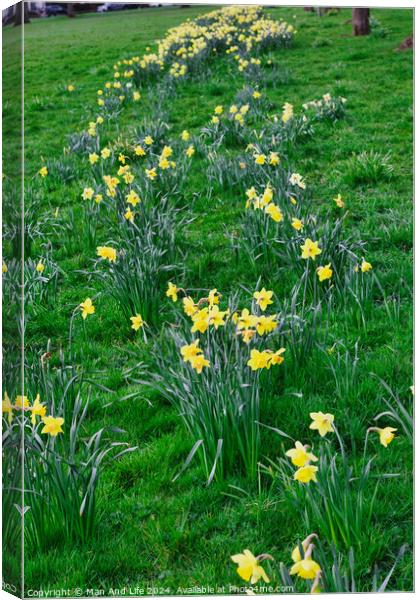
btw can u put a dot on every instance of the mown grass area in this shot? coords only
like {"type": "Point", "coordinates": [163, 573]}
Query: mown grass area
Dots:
{"type": "Point", "coordinates": [155, 532]}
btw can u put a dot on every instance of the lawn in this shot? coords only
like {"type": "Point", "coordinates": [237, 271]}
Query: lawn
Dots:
{"type": "Point", "coordinates": [163, 535]}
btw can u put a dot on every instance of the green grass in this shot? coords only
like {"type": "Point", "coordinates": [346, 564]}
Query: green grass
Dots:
{"type": "Point", "coordinates": [163, 534]}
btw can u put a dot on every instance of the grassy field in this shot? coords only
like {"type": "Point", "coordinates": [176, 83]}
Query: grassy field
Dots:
{"type": "Point", "coordinates": [162, 534]}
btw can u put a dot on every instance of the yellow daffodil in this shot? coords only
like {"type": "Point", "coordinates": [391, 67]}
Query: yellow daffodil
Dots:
{"type": "Point", "coordinates": [4, 268]}
{"type": "Point", "coordinates": [136, 322]}
{"type": "Point", "coordinates": [266, 324]}
{"type": "Point", "coordinates": [190, 308]}
{"type": "Point", "coordinates": [246, 320]}
{"type": "Point", "coordinates": [139, 151]}
{"type": "Point", "coordinates": [297, 224]}
{"type": "Point", "coordinates": [172, 292]}
{"type": "Point", "coordinates": [386, 434]}
{"type": "Point", "coordinates": [21, 402]}
{"type": "Point", "coordinates": [310, 249]}
{"type": "Point", "coordinates": [37, 409]}
{"type": "Point", "coordinates": [324, 272]}
{"type": "Point", "coordinates": [259, 360]}
{"type": "Point", "coordinates": [185, 135]}
{"type": "Point", "coordinates": [274, 158]}
{"type": "Point", "coordinates": [216, 317]}
{"type": "Point", "coordinates": [129, 215]}
{"type": "Point", "coordinates": [366, 266]}
{"type": "Point", "coordinates": [87, 308]}
{"type": "Point", "coordinates": [256, 95]}
{"type": "Point", "coordinates": [70, 88]}
{"type": "Point", "coordinates": [274, 212]}
{"type": "Point", "coordinates": [322, 422]}
{"type": "Point", "coordinates": [190, 151]}
{"type": "Point", "coordinates": [300, 456]}
{"type": "Point", "coordinates": [247, 335]}
{"type": "Point", "coordinates": [98, 198]}
{"type": "Point", "coordinates": [189, 351]}
{"type": "Point", "coordinates": [248, 567]}
{"type": "Point", "coordinates": [133, 198]}
{"type": "Point", "coordinates": [43, 171]}
{"type": "Point", "coordinates": [263, 298]}
{"type": "Point", "coordinates": [198, 362]}
{"type": "Point", "coordinates": [277, 357]}
{"type": "Point", "coordinates": [267, 196]}
{"type": "Point", "coordinates": [105, 153]}
{"type": "Point", "coordinates": [151, 173]}
{"type": "Point", "coordinates": [260, 159]}
{"type": "Point", "coordinates": [7, 407]}
{"type": "Point", "coordinates": [40, 267]}
{"type": "Point", "coordinates": [52, 425]}
{"type": "Point", "coordinates": [93, 158]}
{"type": "Point", "coordinates": [166, 152]}
{"type": "Point", "coordinates": [148, 140]}
{"type": "Point", "coordinates": [306, 569]}
{"type": "Point", "coordinates": [213, 297]}
{"type": "Point", "coordinates": [164, 163]}
{"type": "Point", "coordinates": [339, 201]}
{"type": "Point", "coordinates": [107, 252]}
{"type": "Point", "coordinates": [136, 96]}
{"type": "Point", "coordinates": [306, 474]}
{"type": "Point", "coordinates": [201, 320]}
{"type": "Point", "coordinates": [218, 110]}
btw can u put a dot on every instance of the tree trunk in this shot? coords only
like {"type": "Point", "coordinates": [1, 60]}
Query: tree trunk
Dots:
{"type": "Point", "coordinates": [18, 13]}
{"type": "Point", "coordinates": [70, 10]}
{"type": "Point", "coordinates": [360, 19]}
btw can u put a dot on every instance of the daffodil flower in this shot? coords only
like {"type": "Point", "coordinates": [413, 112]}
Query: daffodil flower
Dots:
{"type": "Point", "coordinates": [7, 407]}
{"type": "Point", "coordinates": [172, 292]}
{"type": "Point", "coordinates": [306, 474]}
{"type": "Point", "coordinates": [263, 298]}
{"type": "Point", "coordinates": [136, 322]}
{"type": "Point", "coordinates": [248, 567]}
{"type": "Point", "coordinates": [324, 272]}
{"type": "Point", "coordinates": [322, 422]}
{"type": "Point", "coordinates": [107, 253]}
{"type": "Point", "coordinates": [87, 308]}
{"type": "Point", "coordinates": [37, 409]}
{"type": "Point", "coordinates": [300, 456]}
{"type": "Point", "coordinates": [310, 249]}
{"type": "Point", "coordinates": [306, 569]}
{"type": "Point", "coordinates": [386, 434]}
{"type": "Point", "coordinates": [52, 425]}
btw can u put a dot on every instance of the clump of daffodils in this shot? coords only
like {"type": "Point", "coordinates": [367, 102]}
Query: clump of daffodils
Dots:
{"type": "Point", "coordinates": [52, 426]}
{"type": "Point", "coordinates": [205, 314]}
{"type": "Point", "coordinates": [264, 201]}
